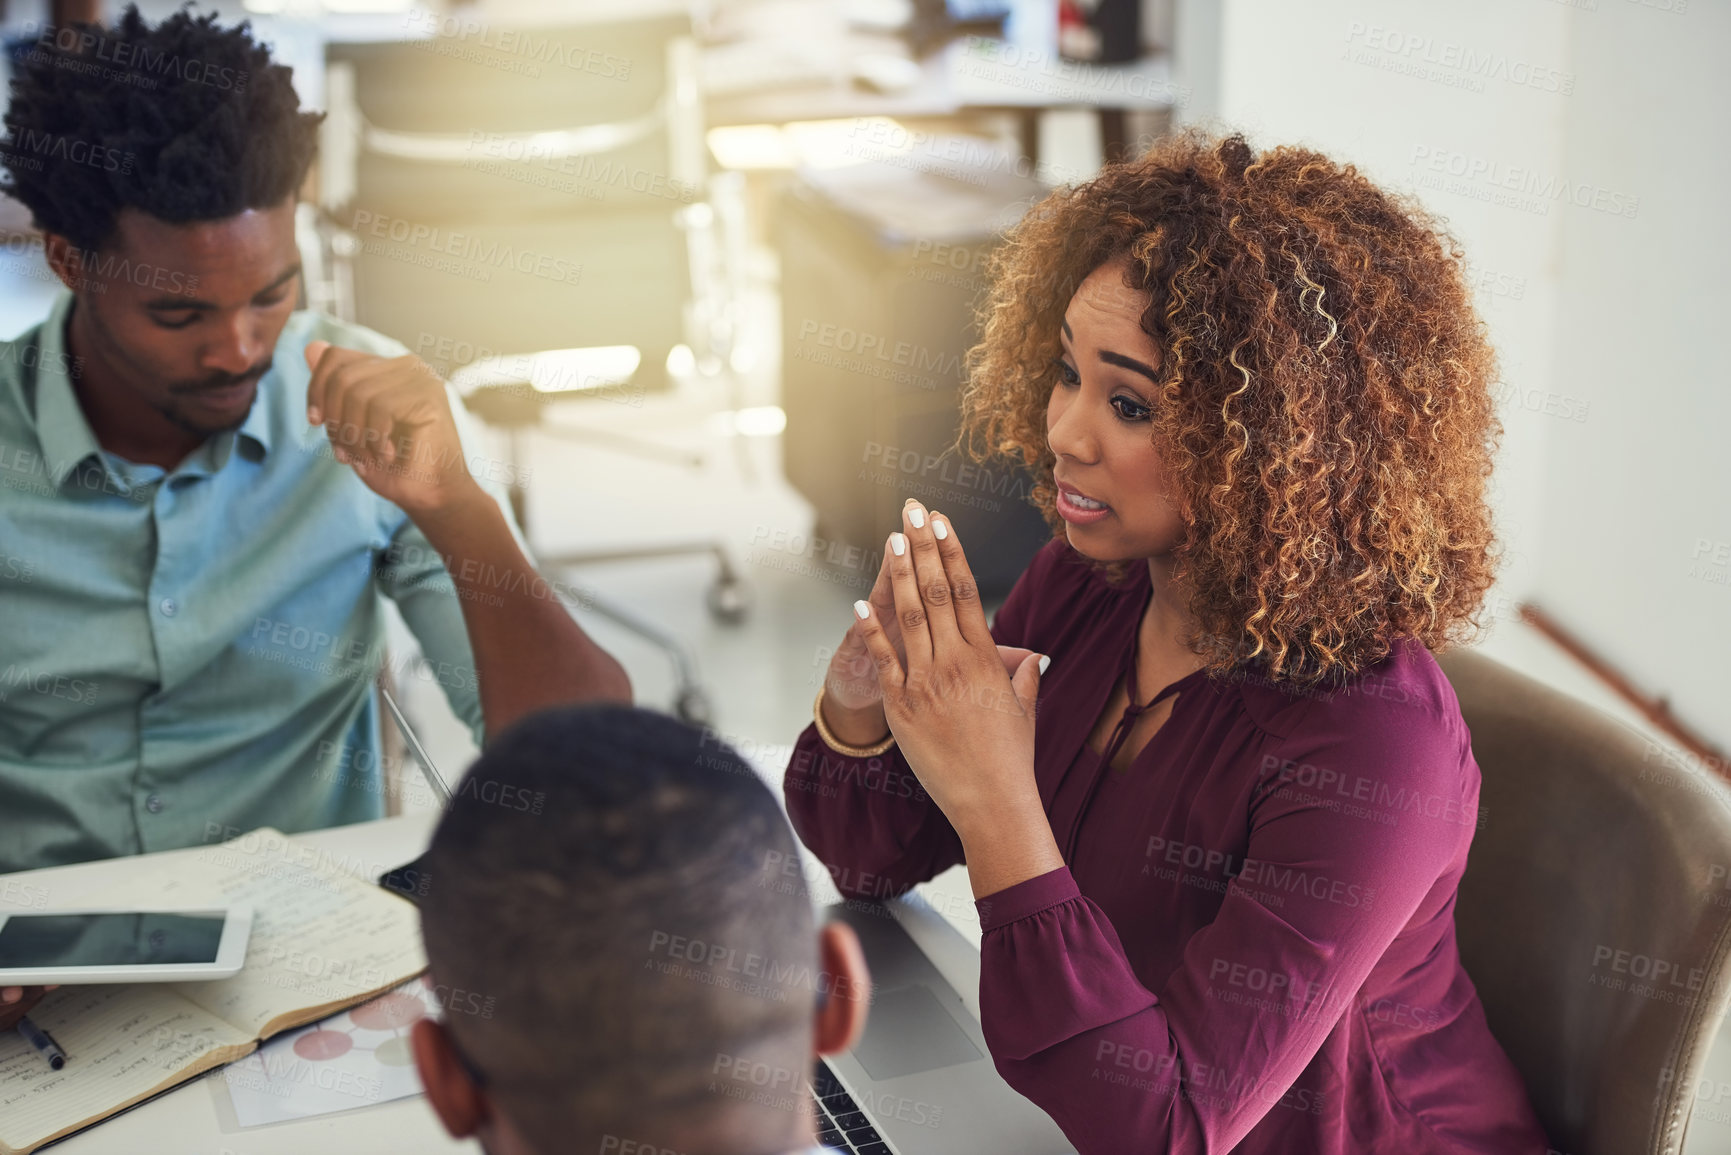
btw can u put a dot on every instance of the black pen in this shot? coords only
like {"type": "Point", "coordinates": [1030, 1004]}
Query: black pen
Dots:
{"type": "Point", "coordinates": [45, 1046]}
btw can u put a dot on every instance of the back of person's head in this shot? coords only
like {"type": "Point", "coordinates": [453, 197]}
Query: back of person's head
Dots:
{"type": "Point", "coordinates": [614, 939]}
{"type": "Point", "coordinates": [184, 121]}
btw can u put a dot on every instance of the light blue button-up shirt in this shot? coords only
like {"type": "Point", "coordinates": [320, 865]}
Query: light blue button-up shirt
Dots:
{"type": "Point", "coordinates": [192, 652]}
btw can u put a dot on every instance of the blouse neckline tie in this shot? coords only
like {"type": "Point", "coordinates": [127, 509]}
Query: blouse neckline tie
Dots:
{"type": "Point", "coordinates": [1115, 742]}
{"type": "Point", "coordinates": [1121, 732]}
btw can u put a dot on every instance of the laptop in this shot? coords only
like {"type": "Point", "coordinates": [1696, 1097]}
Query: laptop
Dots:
{"type": "Point", "coordinates": [920, 1078]}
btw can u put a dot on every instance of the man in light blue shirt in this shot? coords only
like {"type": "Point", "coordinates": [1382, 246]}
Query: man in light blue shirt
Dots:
{"type": "Point", "coordinates": [205, 494]}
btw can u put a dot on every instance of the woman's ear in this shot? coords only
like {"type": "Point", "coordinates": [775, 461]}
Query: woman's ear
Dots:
{"type": "Point", "coordinates": [458, 1102]}
{"type": "Point", "coordinates": [841, 1011]}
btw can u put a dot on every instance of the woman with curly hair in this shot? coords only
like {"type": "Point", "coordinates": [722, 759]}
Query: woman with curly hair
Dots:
{"type": "Point", "coordinates": [1216, 881]}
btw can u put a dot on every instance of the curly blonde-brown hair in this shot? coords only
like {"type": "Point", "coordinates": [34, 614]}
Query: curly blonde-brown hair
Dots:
{"type": "Point", "coordinates": [1325, 409]}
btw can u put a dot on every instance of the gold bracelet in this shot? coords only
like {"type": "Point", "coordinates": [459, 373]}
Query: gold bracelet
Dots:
{"type": "Point", "coordinates": [840, 747]}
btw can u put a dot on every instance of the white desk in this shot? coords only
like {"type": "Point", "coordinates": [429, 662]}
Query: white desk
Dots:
{"type": "Point", "coordinates": [196, 1118]}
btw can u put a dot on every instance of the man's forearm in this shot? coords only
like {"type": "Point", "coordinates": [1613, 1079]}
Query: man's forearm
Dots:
{"type": "Point", "coordinates": [529, 652]}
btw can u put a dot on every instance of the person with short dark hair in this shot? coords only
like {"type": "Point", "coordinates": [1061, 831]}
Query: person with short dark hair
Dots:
{"type": "Point", "coordinates": [192, 572]}
{"type": "Point", "coordinates": [621, 962]}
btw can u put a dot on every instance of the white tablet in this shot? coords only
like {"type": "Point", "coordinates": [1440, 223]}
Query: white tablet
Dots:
{"type": "Point", "coordinates": [123, 946]}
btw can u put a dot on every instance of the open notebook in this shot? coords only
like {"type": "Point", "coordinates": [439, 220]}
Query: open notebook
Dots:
{"type": "Point", "coordinates": [321, 940]}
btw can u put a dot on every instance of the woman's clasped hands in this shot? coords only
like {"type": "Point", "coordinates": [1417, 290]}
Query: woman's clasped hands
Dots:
{"type": "Point", "coordinates": [960, 706]}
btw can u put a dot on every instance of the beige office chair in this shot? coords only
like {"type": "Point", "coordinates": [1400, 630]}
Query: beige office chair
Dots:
{"type": "Point", "coordinates": [601, 166]}
{"type": "Point", "coordinates": [1598, 863]}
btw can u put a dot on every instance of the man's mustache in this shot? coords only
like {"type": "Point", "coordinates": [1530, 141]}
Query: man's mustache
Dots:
{"type": "Point", "coordinates": [223, 380]}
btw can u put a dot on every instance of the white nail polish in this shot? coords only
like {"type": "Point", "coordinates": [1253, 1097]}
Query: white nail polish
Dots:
{"type": "Point", "coordinates": [1045, 660]}
{"type": "Point", "coordinates": [939, 528]}
{"type": "Point", "coordinates": [863, 610]}
{"type": "Point", "coordinates": [898, 544]}
{"type": "Point", "coordinates": [916, 516]}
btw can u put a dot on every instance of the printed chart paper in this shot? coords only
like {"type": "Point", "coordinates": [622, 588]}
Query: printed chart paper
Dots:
{"type": "Point", "coordinates": [353, 1059]}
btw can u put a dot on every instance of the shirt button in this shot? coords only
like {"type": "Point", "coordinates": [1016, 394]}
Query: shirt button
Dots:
{"type": "Point", "coordinates": [154, 804]}
{"type": "Point", "coordinates": [169, 607]}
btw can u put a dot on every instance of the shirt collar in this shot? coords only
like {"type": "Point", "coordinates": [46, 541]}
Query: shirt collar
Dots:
{"type": "Point", "coordinates": [65, 435]}
{"type": "Point", "coordinates": [213, 455]}
{"type": "Point", "coordinates": [61, 430]}
{"type": "Point", "coordinates": [256, 427]}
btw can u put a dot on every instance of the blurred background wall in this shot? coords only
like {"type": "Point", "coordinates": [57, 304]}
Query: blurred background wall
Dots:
{"type": "Point", "coordinates": [1571, 147]}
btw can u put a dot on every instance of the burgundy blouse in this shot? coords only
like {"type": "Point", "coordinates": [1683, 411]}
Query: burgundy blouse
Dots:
{"type": "Point", "coordinates": [1253, 946]}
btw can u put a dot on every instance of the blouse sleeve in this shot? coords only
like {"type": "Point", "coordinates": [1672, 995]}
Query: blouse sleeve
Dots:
{"type": "Point", "coordinates": [868, 820]}
{"type": "Point", "coordinates": [1193, 1066]}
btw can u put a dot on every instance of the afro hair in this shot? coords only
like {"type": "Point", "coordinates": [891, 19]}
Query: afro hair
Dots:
{"type": "Point", "coordinates": [186, 121]}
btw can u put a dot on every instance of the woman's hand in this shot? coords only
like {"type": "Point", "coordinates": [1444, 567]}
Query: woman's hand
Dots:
{"type": "Point", "coordinates": [853, 697]}
{"type": "Point", "coordinates": [965, 726]}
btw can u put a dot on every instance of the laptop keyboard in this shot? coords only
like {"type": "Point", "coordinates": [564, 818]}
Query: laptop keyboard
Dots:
{"type": "Point", "coordinates": [840, 1123]}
